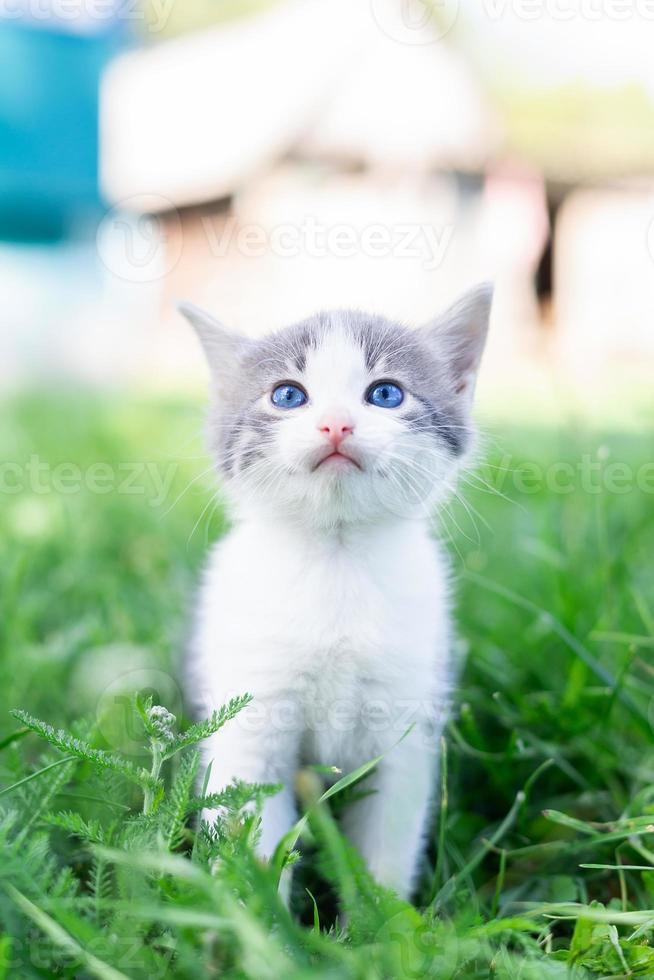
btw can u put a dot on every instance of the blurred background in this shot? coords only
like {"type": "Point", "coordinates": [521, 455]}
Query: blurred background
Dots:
{"type": "Point", "coordinates": [264, 158]}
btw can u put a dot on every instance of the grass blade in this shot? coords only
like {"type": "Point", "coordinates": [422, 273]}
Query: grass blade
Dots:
{"type": "Point", "coordinates": [98, 968]}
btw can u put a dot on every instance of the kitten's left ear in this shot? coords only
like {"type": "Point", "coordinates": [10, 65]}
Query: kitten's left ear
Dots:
{"type": "Point", "coordinates": [459, 335]}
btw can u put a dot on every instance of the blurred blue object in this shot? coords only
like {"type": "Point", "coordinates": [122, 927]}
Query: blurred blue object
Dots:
{"type": "Point", "coordinates": [49, 84]}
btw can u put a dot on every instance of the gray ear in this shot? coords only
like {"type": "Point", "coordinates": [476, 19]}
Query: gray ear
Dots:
{"type": "Point", "coordinates": [459, 335]}
{"type": "Point", "coordinates": [221, 346]}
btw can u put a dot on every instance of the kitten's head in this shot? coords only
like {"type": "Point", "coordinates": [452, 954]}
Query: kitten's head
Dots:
{"type": "Point", "coordinates": [346, 416]}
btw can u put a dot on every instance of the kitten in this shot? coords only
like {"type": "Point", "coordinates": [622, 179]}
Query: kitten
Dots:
{"type": "Point", "coordinates": [329, 600]}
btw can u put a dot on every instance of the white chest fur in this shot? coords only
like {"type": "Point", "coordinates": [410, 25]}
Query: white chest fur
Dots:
{"type": "Point", "coordinates": [328, 621]}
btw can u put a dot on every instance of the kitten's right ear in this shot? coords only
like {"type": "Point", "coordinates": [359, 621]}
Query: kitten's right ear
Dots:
{"type": "Point", "coordinates": [221, 346]}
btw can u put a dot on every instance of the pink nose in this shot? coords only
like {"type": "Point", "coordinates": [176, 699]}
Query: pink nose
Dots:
{"type": "Point", "coordinates": [336, 428]}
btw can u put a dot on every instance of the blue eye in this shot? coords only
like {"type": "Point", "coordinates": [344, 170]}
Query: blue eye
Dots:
{"type": "Point", "coordinates": [288, 396]}
{"type": "Point", "coordinates": [385, 395]}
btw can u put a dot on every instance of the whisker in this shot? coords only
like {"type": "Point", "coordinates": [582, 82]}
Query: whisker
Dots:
{"type": "Point", "coordinates": [187, 488]}
{"type": "Point", "coordinates": [212, 500]}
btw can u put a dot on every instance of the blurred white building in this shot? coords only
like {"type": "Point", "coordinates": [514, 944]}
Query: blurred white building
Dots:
{"type": "Point", "coordinates": [350, 153]}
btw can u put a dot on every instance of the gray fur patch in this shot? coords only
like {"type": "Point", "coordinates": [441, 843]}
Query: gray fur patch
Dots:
{"type": "Point", "coordinates": [437, 421]}
{"type": "Point", "coordinates": [405, 355]}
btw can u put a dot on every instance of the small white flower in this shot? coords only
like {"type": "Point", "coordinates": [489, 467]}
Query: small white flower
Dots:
{"type": "Point", "coordinates": [162, 721]}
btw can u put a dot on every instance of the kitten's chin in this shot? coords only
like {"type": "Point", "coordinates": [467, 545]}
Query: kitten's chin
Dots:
{"type": "Point", "coordinates": [336, 463]}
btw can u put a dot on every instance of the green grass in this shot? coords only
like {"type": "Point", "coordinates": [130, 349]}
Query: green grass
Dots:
{"type": "Point", "coordinates": [542, 860]}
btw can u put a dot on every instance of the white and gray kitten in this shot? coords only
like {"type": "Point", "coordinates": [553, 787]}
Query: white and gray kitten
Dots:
{"type": "Point", "coordinates": [328, 600]}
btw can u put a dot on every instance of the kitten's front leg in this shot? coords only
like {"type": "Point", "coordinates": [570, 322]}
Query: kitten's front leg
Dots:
{"type": "Point", "coordinates": [261, 757]}
{"type": "Point", "coordinates": [389, 826]}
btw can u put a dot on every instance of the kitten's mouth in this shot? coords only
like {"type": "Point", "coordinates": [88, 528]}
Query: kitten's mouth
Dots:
{"type": "Point", "coordinates": [337, 459]}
